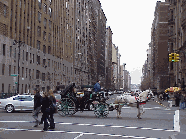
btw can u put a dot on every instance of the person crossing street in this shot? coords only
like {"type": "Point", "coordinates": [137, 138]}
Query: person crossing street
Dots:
{"type": "Point", "coordinates": [37, 106]}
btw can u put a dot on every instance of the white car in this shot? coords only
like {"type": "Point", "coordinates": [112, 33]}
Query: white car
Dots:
{"type": "Point", "coordinates": [17, 103]}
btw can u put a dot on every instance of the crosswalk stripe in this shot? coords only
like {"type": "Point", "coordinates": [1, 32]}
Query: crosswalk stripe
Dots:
{"type": "Point", "coordinates": [95, 125]}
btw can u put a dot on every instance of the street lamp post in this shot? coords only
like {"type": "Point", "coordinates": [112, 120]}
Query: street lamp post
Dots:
{"type": "Point", "coordinates": [124, 76]}
{"type": "Point", "coordinates": [19, 45]}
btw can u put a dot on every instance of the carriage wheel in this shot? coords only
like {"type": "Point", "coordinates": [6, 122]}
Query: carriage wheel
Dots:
{"type": "Point", "coordinates": [101, 110]}
{"type": "Point", "coordinates": [67, 107]}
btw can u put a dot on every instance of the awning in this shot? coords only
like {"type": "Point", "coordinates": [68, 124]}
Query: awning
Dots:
{"type": "Point", "coordinates": [172, 89]}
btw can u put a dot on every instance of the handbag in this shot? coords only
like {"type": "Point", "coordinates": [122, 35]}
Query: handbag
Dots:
{"type": "Point", "coordinates": [53, 107]}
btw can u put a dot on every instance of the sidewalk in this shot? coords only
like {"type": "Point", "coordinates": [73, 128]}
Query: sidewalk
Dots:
{"type": "Point", "coordinates": [178, 136]}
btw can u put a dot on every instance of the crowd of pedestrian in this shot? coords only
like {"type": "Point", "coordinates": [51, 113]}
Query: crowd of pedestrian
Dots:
{"type": "Point", "coordinates": [47, 104]}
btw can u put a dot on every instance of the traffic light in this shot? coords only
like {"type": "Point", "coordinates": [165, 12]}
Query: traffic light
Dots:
{"type": "Point", "coordinates": [176, 57]}
{"type": "Point", "coordinates": [173, 56]}
{"type": "Point", "coordinates": [170, 57]}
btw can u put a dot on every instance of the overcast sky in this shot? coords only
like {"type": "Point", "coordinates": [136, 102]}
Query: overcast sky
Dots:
{"type": "Point", "coordinates": [131, 22]}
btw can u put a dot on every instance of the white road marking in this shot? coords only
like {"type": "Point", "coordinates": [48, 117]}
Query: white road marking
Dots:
{"type": "Point", "coordinates": [176, 121]}
{"type": "Point", "coordinates": [82, 133]}
{"type": "Point", "coordinates": [114, 126]}
{"type": "Point", "coordinates": [79, 136]}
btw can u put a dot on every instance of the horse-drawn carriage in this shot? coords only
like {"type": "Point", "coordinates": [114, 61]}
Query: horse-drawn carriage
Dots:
{"type": "Point", "coordinates": [74, 99]}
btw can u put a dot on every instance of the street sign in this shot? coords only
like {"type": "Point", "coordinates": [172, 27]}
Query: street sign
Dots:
{"type": "Point", "coordinates": [13, 74]}
{"type": "Point", "coordinates": [15, 82]}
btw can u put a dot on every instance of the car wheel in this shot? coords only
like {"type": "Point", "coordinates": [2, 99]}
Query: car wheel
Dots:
{"type": "Point", "coordinates": [9, 108]}
{"type": "Point", "coordinates": [90, 106]}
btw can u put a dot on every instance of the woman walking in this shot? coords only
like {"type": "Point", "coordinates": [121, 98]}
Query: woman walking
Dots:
{"type": "Point", "coordinates": [52, 111]}
{"type": "Point", "coordinates": [45, 110]}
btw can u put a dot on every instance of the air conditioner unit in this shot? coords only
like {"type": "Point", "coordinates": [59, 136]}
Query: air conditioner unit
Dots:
{"type": "Point", "coordinates": [28, 27]}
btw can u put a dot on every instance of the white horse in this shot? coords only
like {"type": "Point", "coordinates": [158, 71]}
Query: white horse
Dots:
{"type": "Point", "coordinates": [133, 101]}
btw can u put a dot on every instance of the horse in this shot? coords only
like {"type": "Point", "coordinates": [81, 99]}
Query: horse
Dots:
{"type": "Point", "coordinates": [132, 101]}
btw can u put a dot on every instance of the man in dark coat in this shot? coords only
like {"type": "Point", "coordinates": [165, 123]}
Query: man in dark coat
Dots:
{"type": "Point", "coordinates": [37, 106]}
{"type": "Point", "coordinates": [97, 86]}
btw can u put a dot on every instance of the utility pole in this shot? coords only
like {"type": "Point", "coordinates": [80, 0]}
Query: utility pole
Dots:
{"type": "Point", "coordinates": [18, 68]}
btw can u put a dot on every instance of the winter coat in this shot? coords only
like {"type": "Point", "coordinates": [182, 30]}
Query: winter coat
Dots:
{"type": "Point", "coordinates": [45, 104]}
{"type": "Point", "coordinates": [37, 100]}
{"type": "Point", "coordinates": [97, 87]}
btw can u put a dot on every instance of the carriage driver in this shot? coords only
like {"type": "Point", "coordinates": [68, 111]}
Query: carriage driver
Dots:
{"type": "Point", "coordinates": [97, 86]}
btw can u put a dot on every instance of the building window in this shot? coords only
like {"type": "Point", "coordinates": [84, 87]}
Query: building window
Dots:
{"type": "Point", "coordinates": [44, 35]}
{"type": "Point", "coordinates": [26, 56]}
{"type": "Point", "coordinates": [44, 49]}
{"type": "Point", "coordinates": [5, 10]}
{"type": "Point", "coordinates": [49, 50]}
{"type": "Point", "coordinates": [44, 61]}
{"type": "Point", "coordinates": [3, 88]}
{"type": "Point", "coordinates": [29, 74]}
{"type": "Point", "coordinates": [39, 16]}
{"type": "Point", "coordinates": [48, 62]}
{"type": "Point", "coordinates": [38, 59]}
{"type": "Point", "coordinates": [45, 8]}
{"type": "Point", "coordinates": [26, 72]}
{"type": "Point", "coordinates": [39, 31]}
{"type": "Point", "coordinates": [10, 51]}
{"type": "Point", "coordinates": [9, 70]}
{"type": "Point", "coordinates": [33, 58]}
{"type": "Point", "coordinates": [45, 22]}
{"type": "Point", "coordinates": [37, 74]}
{"type": "Point", "coordinates": [50, 24]}
{"type": "Point", "coordinates": [22, 71]}
{"type": "Point", "coordinates": [39, 3]}
{"type": "Point", "coordinates": [38, 45]}
{"type": "Point", "coordinates": [43, 76]}
{"type": "Point", "coordinates": [3, 69]}
{"type": "Point", "coordinates": [50, 11]}
{"type": "Point", "coordinates": [4, 48]}
{"type": "Point", "coordinates": [49, 37]}
{"type": "Point", "coordinates": [15, 54]}
{"type": "Point", "coordinates": [23, 55]}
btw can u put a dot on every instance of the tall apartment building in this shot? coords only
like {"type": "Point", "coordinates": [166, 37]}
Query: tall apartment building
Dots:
{"type": "Point", "coordinates": [177, 33]}
{"type": "Point", "coordinates": [114, 66]}
{"type": "Point", "coordinates": [43, 30]}
{"type": "Point", "coordinates": [108, 57]}
{"type": "Point", "coordinates": [57, 40]}
{"type": "Point", "coordinates": [160, 46]}
{"type": "Point", "coordinates": [101, 47]}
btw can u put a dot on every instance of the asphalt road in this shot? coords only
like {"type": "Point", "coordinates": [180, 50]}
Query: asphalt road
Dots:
{"type": "Point", "coordinates": [156, 122]}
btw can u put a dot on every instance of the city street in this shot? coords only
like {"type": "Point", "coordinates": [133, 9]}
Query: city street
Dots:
{"type": "Point", "coordinates": [156, 122]}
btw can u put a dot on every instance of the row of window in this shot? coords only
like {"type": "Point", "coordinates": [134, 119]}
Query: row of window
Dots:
{"type": "Point", "coordinates": [13, 89]}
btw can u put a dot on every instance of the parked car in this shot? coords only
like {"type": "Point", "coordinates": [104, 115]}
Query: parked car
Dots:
{"type": "Point", "coordinates": [17, 103]}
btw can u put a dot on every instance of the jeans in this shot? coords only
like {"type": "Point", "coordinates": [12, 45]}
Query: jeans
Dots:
{"type": "Point", "coordinates": [182, 105]}
{"type": "Point", "coordinates": [45, 117]}
{"type": "Point", "coordinates": [36, 113]}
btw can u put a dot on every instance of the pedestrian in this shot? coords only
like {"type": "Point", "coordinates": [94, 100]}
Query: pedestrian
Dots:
{"type": "Point", "coordinates": [37, 106]}
{"type": "Point", "coordinates": [52, 111]}
{"type": "Point", "coordinates": [182, 101]}
{"type": "Point", "coordinates": [45, 109]}
{"type": "Point", "coordinates": [97, 86]}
